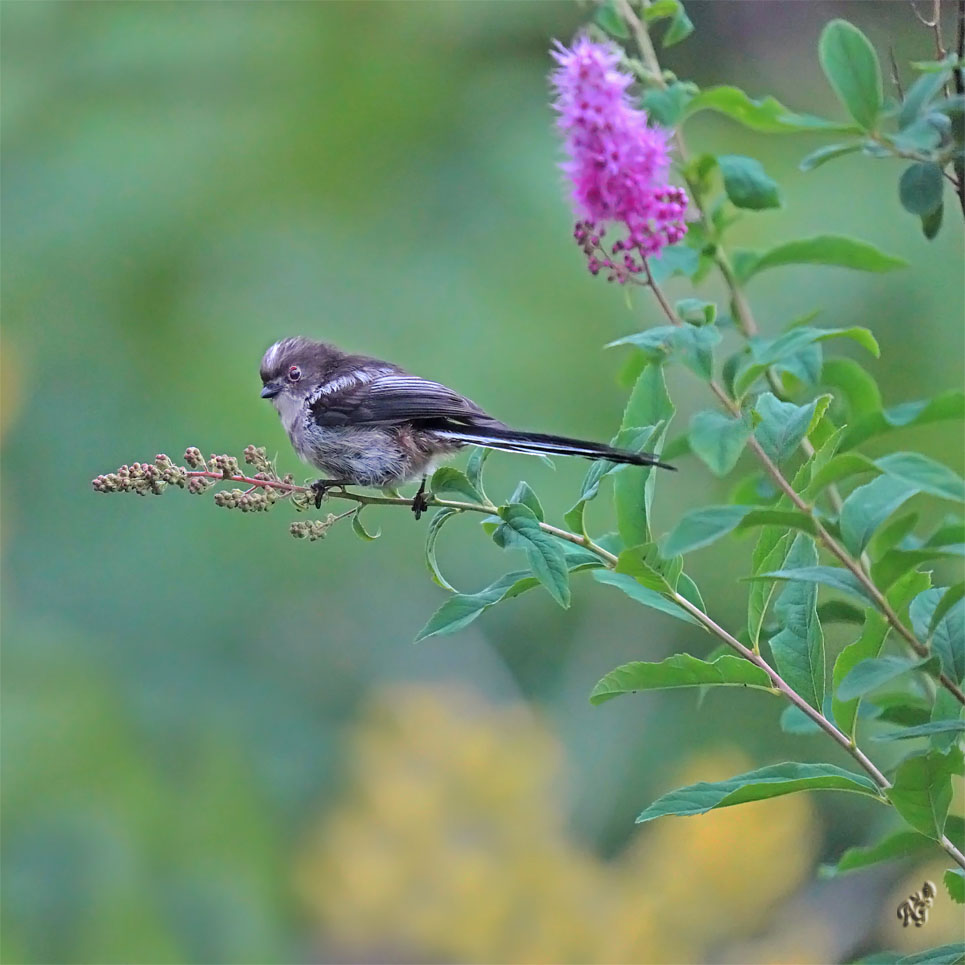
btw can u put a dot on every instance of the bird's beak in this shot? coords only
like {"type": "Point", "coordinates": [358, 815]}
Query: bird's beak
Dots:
{"type": "Point", "coordinates": [270, 390]}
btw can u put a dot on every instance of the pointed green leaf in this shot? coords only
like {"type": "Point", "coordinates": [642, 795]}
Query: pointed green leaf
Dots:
{"type": "Point", "coordinates": [360, 530]}
{"type": "Point", "coordinates": [783, 425]}
{"type": "Point", "coordinates": [766, 115]}
{"type": "Point", "coordinates": [719, 439]}
{"type": "Point", "coordinates": [680, 670]}
{"type": "Point", "coordinates": [462, 608]}
{"type": "Point", "coordinates": [832, 250]}
{"type": "Point", "coordinates": [859, 389]}
{"type": "Point", "coordinates": [438, 521]}
{"type": "Point", "coordinates": [798, 648]}
{"type": "Point", "coordinates": [942, 955]}
{"type": "Point", "coordinates": [524, 494]}
{"type": "Point", "coordinates": [869, 675]}
{"type": "Point", "coordinates": [766, 782]}
{"type": "Point", "coordinates": [474, 469]}
{"type": "Point", "coordinates": [704, 526]}
{"type": "Point", "coordinates": [608, 17]}
{"type": "Point", "coordinates": [770, 552]}
{"type": "Point", "coordinates": [923, 730]}
{"type": "Point", "coordinates": [947, 636]}
{"type": "Point", "coordinates": [851, 66]}
{"type": "Point", "coordinates": [827, 153]}
{"type": "Point", "coordinates": [451, 480]}
{"type": "Point", "coordinates": [896, 846]}
{"type": "Point", "coordinates": [833, 576]}
{"type": "Point", "coordinates": [746, 183]}
{"type": "Point", "coordinates": [544, 552]}
{"type": "Point", "coordinates": [949, 405]}
{"type": "Point", "coordinates": [691, 345]}
{"type": "Point", "coordinates": [920, 94]}
{"type": "Point", "coordinates": [922, 790]}
{"type": "Point", "coordinates": [954, 880]}
{"type": "Point", "coordinates": [927, 474]}
{"type": "Point", "coordinates": [868, 506]}
{"type": "Point", "coordinates": [642, 594]}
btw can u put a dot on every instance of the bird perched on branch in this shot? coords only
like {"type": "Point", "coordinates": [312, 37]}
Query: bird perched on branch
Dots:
{"type": "Point", "coordinates": [365, 422]}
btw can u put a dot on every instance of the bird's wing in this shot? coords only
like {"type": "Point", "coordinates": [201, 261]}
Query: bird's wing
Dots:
{"type": "Point", "coordinates": [393, 397]}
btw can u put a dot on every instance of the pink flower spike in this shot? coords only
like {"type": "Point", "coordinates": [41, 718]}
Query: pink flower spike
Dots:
{"type": "Point", "coordinates": [617, 165]}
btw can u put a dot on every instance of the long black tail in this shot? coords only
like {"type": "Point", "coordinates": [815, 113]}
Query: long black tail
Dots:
{"type": "Point", "coordinates": [541, 444]}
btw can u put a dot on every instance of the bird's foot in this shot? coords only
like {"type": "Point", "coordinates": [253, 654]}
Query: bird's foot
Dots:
{"type": "Point", "coordinates": [420, 502]}
{"type": "Point", "coordinates": [321, 487]}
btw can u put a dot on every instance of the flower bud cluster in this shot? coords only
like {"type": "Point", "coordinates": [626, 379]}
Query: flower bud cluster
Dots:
{"type": "Point", "coordinates": [193, 457]}
{"type": "Point", "coordinates": [312, 529]}
{"type": "Point", "coordinates": [248, 501]}
{"type": "Point", "coordinates": [142, 478]}
{"type": "Point", "coordinates": [226, 465]}
{"type": "Point", "coordinates": [256, 456]}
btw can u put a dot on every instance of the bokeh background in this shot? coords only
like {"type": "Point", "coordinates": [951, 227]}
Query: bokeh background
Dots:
{"type": "Point", "coordinates": [219, 744]}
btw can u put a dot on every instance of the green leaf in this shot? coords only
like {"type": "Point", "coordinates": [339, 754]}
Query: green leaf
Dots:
{"type": "Point", "coordinates": [950, 597]}
{"type": "Point", "coordinates": [954, 880]}
{"type": "Point", "coordinates": [660, 10]}
{"type": "Point", "coordinates": [851, 66]}
{"type": "Point", "coordinates": [833, 250]}
{"type": "Point", "coordinates": [922, 790]}
{"type": "Point", "coordinates": [798, 648]}
{"type": "Point", "coordinates": [942, 955]}
{"type": "Point", "coordinates": [766, 352]}
{"type": "Point", "coordinates": [360, 530]}
{"type": "Point", "coordinates": [746, 183]}
{"type": "Point", "coordinates": [897, 562]}
{"type": "Point", "coordinates": [923, 730]}
{"type": "Point", "coordinates": [833, 576]}
{"type": "Point", "coordinates": [680, 670]}
{"type": "Point", "coordinates": [770, 552]}
{"type": "Point", "coordinates": [920, 94]}
{"type": "Point", "coordinates": [949, 405]}
{"type": "Point", "coordinates": [894, 847]}
{"type": "Point", "coordinates": [920, 188]}
{"type": "Point", "coordinates": [680, 28]}
{"type": "Point", "coordinates": [766, 782]}
{"type": "Point", "coordinates": [609, 19]}
{"type": "Point", "coordinates": [451, 480]}
{"type": "Point", "coordinates": [840, 611]}
{"type": "Point", "coordinates": [931, 223]}
{"type": "Point", "coordinates": [438, 521]}
{"type": "Point", "coordinates": [783, 424]}
{"type": "Point", "coordinates": [844, 466]}
{"type": "Point", "coordinates": [701, 527]}
{"type": "Point", "coordinates": [868, 645]}
{"type": "Point", "coordinates": [947, 637]}
{"type": "Point", "coordinates": [674, 260]}
{"type": "Point", "coordinates": [642, 594]}
{"type": "Point", "coordinates": [692, 346]}
{"type": "Point", "coordinates": [645, 565]}
{"type": "Point", "coordinates": [718, 439]}
{"type": "Point", "coordinates": [462, 608]}
{"type": "Point", "coordinates": [695, 311]}
{"type": "Point", "coordinates": [633, 489]}
{"type": "Point", "coordinates": [767, 115]}
{"type": "Point", "coordinates": [929, 476]}
{"type": "Point", "coordinates": [474, 469]}
{"type": "Point", "coordinates": [544, 552]}
{"type": "Point", "coordinates": [859, 389]}
{"type": "Point", "coordinates": [868, 506]}
{"type": "Point", "coordinates": [524, 494]}
{"type": "Point", "coordinates": [869, 675]}
{"type": "Point", "coordinates": [827, 153]}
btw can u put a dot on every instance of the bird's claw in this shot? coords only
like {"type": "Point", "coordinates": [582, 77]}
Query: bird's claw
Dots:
{"type": "Point", "coordinates": [321, 487]}
{"type": "Point", "coordinates": [419, 504]}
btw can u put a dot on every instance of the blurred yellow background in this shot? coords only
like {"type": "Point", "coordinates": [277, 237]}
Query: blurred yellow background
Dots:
{"type": "Point", "coordinates": [218, 743]}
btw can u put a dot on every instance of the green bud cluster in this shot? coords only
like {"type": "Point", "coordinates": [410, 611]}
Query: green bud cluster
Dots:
{"type": "Point", "coordinates": [226, 465]}
{"type": "Point", "coordinates": [312, 529]}
{"type": "Point", "coordinates": [257, 501]}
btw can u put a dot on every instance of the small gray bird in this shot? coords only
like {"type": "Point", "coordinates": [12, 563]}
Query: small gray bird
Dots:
{"type": "Point", "coordinates": [364, 422]}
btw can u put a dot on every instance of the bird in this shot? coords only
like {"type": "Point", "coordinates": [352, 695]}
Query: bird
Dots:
{"type": "Point", "coordinates": [366, 422]}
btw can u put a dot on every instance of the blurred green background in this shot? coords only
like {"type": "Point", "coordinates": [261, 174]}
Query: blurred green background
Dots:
{"type": "Point", "coordinates": [219, 744]}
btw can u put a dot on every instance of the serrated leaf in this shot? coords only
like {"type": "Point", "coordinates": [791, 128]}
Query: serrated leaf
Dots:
{"type": "Point", "coordinates": [832, 250]}
{"type": "Point", "coordinates": [759, 785]}
{"type": "Point", "coordinates": [642, 594]}
{"type": "Point", "coordinates": [920, 188]}
{"type": "Point", "coordinates": [680, 670]}
{"type": "Point", "coordinates": [947, 636]}
{"type": "Point", "coordinates": [868, 506]}
{"type": "Point", "coordinates": [706, 525]}
{"type": "Point", "coordinates": [922, 790]}
{"type": "Point", "coordinates": [923, 730]}
{"type": "Point", "coordinates": [544, 552]}
{"type": "Point", "coordinates": [927, 474]}
{"type": "Point", "coordinates": [949, 405]}
{"type": "Point", "coordinates": [798, 648]}
{"type": "Point", "coordinates": [432, 534]}
{"type": "Point", "coordinates": [833, 576]}
{"type": "Point", "coordinates": [718, 439]}
{"type": "Point", "coordinates": [747, 184]}
{"type": "Point", "coordinates": [451, 480]}
{"type": "Point", "coordinates": [827, 153]}
{"type": "Point", "coordinates": [851, 66]}
{"type": "Point", "coordinates": [954, 880]}
{"type": "Point", "coordinates": [783, 424]}
{"type": "Point", "coordinates": [767, 115]}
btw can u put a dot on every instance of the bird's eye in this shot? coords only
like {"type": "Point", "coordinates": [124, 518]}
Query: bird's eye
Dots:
{"type": "Point", "coordinates": [294, 373]}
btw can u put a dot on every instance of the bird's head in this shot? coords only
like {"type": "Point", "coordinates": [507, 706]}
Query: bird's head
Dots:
{"type": "Point", "coordinates": [292, 367]}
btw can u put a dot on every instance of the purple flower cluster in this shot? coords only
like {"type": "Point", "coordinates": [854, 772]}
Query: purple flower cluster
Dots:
{"type": "Point", "coordinates": [618, 165]}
